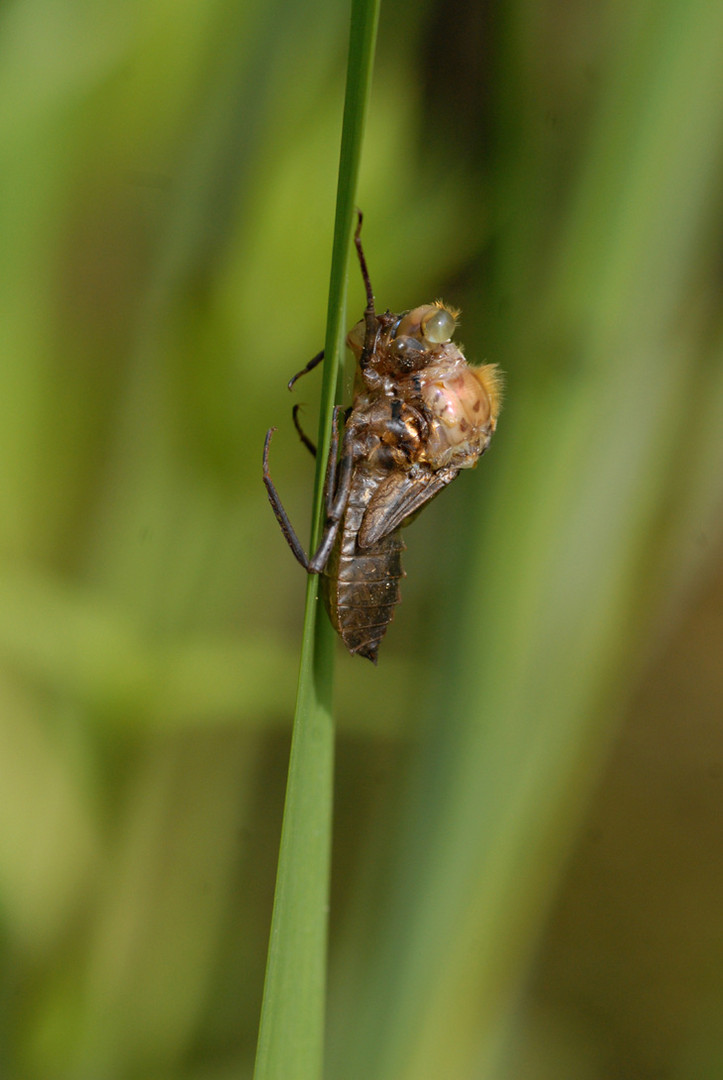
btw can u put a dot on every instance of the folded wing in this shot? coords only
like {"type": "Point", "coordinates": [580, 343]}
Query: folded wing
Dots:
{"type": "Point", "coordinates": [399, 496]}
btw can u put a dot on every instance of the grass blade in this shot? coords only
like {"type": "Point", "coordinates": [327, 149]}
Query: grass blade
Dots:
{"type": "Point", "coordinates": [291, 1035]}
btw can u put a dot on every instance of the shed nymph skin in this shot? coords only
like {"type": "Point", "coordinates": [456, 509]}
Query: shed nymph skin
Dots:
{"type": "Point", "coordinates": [420, 414]}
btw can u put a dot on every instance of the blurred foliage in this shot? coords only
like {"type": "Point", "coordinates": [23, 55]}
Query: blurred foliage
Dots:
{"type": "Point", "coordinates": [168, 177]}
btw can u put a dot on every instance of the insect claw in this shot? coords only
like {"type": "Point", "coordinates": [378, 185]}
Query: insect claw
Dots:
{"type": "Point", "coordinates": [267, 443]}
{"type": "Point", "coordinates": [310, 446]}
{"type": "Point", "coordinates": [277, 506]}
{"type": "Point", "coordinates": [305, 370]}
{"type": "Point", "coordinates": [369, 314]}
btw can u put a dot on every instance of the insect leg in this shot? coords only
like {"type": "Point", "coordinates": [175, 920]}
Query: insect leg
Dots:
{"type": "Point", "coordinates": [370, 317]}
{"type": "Point", "coordinates": [332, 501]}
{"type": "Point", "coordinates": [337, 496]}
{"type": "Point", "coordinates": [278, 508]}
{"type": "Point", "coordinates": [305, 370]}
{"type": "Point", "coordinates": [363, 262]}
{"type": "Point", "coordinates": [302, 434]}
{"type": "Point", "coordinates": [330, 478]}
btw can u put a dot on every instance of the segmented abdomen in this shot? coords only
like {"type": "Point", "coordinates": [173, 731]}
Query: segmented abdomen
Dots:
{"type": "Point", "coordinates": [360, 586]}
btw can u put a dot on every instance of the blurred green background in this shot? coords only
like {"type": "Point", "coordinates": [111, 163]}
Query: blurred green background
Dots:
{"type": "Point", "coordinates": [527, 872]}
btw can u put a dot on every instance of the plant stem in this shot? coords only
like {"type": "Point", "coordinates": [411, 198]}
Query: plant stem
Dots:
{"type": "Point", "coordinates": [291, 1034]}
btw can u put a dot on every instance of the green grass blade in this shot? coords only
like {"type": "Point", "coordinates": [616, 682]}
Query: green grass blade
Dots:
{"type": "Point", "coordinates": [291, 1035]}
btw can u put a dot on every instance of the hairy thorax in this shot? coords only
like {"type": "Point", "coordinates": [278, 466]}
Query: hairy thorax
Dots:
{"type": "Point", "coordinates": [461, 403]}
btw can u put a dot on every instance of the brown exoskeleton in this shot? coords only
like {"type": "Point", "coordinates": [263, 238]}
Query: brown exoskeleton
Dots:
{"type": "Point", "coordinates": [420, 414]}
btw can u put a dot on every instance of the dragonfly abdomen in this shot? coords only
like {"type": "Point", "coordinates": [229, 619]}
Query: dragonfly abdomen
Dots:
{"type": "Point", "coordinates": [360, 586]}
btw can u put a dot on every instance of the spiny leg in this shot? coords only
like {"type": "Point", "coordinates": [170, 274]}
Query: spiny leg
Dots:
{"type": "Point", "coordinates": [315, 360]}
{"type": "Point", "coordinates": [334, 501]}
{"type": "Point", "coordinates": [363, 262]}
{"type": "Point", "coordinates": [370, 317]}
{"type": "Point", "coordinates": [310, 446]}
{"type": "Point", "coordinates": [278, 508]}
{"type": "Point", "coordinates": [336, 498]}
{"type": "Point", "coordinates": [330, 477]}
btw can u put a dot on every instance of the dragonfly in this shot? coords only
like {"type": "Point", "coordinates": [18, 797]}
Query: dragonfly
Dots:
{"type": "Point", "coordinates": [420, 414]}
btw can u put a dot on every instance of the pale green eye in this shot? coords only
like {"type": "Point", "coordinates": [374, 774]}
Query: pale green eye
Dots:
{"type": "Point", "coordinates": [439, 326]}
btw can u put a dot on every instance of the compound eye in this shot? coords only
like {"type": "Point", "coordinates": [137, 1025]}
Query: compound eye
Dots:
{"type": "Point", "coordinates": [438, 327]}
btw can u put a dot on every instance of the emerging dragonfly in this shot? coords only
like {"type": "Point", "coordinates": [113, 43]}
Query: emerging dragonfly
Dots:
{"type": "Point", "coordinates": [420, 414]}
